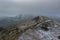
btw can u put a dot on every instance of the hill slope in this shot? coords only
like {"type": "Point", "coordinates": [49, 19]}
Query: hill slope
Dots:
{"type": "Point", "coordinates": [38, 28]}
{"type": "Point", "coordinates": [42, 28]}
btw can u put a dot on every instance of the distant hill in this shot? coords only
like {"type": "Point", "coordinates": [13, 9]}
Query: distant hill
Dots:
{"type": "Point", "coordinates": [7, 21]}
{"type": "Point", "coordinates": [55, 18]}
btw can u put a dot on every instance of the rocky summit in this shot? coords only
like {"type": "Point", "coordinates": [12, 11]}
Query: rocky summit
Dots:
{"type": "Point", "coordinates": [38, 28]}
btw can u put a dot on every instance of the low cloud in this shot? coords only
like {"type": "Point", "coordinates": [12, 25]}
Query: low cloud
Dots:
{"type": "Point", "coordinates": [37, 7]}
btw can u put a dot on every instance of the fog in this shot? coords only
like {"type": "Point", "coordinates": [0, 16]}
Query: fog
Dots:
{"type": "Point", "coordinates": [11, 8]}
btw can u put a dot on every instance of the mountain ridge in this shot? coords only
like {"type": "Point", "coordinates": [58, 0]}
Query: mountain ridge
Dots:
{"type": "Point", "coordinates": [29, 29]}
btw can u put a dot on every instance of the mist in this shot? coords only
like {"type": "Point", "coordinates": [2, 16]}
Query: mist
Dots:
{"type": "Point", "coordinates": [11, 8]}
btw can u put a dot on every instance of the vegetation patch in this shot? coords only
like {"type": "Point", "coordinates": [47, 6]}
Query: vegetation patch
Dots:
{"type": "Point", "coordinates": [36, 18]}
{"type": "Point", "coordinates": [58, 37]}
{"type": "Point", "coordinates": [45, 28]}
{"type": "Point", "coordinates": [1, 28]}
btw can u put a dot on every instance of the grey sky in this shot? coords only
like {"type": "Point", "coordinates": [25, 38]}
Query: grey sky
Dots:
{"type": "Point", "coordinates": [34, 7]}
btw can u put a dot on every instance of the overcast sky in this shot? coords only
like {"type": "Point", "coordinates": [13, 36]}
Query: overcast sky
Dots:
{"type": "Point", "coordinates": [31, 7]}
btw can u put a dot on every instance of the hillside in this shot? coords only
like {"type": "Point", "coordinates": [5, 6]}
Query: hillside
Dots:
{"type": "Point", "coordinates": [38, 28]}
{"type": "Point", "coordinates": [41, 28]}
